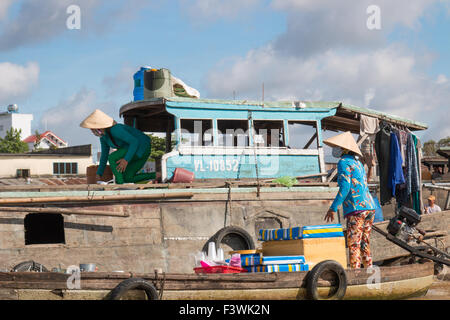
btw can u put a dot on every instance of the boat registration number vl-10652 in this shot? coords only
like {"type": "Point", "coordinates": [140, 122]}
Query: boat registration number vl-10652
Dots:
{"type": "Point", "coordinates": [246, 165]}
{"type": "Point", "coordinates": [216, 165]}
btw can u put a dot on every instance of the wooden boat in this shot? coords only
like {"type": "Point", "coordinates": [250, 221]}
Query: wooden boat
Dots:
{"type": "Point", "coordinates": [161, 226]}
{"type": "Point", "coordinates": [399, 282]}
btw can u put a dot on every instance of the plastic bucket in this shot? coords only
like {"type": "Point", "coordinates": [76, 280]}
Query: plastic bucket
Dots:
{"type": "Point", "coordinates": [182, 175]}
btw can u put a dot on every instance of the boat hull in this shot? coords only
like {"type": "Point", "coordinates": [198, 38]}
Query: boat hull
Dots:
{"type": "Point", "coordinates": [399, 282]}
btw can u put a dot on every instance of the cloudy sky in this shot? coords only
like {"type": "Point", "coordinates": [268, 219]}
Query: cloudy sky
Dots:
{"type": "Point", "coordinates": [299, 49]}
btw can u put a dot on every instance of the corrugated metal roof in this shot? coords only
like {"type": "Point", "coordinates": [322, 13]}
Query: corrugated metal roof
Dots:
{"type": "Point", "coordinates": [382, 115]}
{"type": "Point", "coordinates": [309, 105]}
{"type": "Point", "coordinates": [268, 104]}
{"type": "Point", "coordinates": [289, 105]}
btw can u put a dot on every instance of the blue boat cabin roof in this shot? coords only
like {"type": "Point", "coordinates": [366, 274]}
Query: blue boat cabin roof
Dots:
{"type": "Point", "coordinates": [336, 116]}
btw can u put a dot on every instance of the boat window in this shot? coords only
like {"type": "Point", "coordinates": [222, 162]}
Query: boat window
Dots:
{"type": "Point", "coordinates": [233, 133]}
{"type": "Point", "coordinates": [196, 132]}
{"type": "Point", "coordinates": [302, 134]}
{"type": "Point", "coordinates": [269, 133]}
{"type": "Point", "coordinates": [44, 228]}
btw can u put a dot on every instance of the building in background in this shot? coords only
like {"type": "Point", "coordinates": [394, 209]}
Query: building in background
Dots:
{"type": "Point", "coordinates": [48, 140]}
{"type": "Point", "coordinates": [63, 162]}
{"type": "Point", "coordinates": [13, 119]}
{"type": "Point", "coordinates": [435, 167]}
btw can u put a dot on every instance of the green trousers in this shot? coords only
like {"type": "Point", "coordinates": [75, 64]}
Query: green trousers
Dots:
{"type": "Point", "coordinates": [130, 175]}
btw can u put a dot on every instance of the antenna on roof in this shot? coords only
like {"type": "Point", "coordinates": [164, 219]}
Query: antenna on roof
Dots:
{"type": "Point", "coordinates": [263, 92]}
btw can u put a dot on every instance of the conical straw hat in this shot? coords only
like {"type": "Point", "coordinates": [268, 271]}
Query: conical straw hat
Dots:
{"type": "Point", "coordinates": [97, 120]}
{"type": "Point", "coordinates": [345, 141]}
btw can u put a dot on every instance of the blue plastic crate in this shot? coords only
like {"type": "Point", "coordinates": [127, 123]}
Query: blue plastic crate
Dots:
{"type": "Point", "coordinates": [322, 231]}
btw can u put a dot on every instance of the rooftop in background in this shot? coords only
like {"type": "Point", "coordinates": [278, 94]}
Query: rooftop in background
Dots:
{"type": "Point", "coordinates": [434, 160]}
{"type": "Point", "coordinates": [47, 140]}
{"type": "Point", "coordinates": [84, 150]}
{"type": "Point", "coordinates": [343, 120]}
{"type": "Point", "coordinates": [445, 152]}
{"type": "Point", "coordinates": [33, 138]}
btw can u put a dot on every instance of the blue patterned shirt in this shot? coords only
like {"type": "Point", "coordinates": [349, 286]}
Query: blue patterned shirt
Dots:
{"type": "Point", "coordinates": [353, 194]}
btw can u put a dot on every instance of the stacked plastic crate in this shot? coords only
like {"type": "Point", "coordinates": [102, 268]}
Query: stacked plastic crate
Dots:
{"type": "Point", "coordinates": [297, 248]}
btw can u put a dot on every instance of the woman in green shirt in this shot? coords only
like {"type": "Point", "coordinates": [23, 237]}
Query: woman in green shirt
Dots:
{"type": "Point", "coordinates": [132, 148]}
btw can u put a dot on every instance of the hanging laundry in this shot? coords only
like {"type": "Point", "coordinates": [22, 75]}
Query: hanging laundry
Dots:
{"type": "Point", "coordinates": [368, 125]}
{"type": "Point", "coordinates": [396, 176]}
{"type": "Point", "coordinates": [412, 178]}
{"type": "Point", "coordinates": [416, 194]}
{"type": "Point", "coordinates": [382, 148]}
{"type": "Point", "coordinates": [403, 140]}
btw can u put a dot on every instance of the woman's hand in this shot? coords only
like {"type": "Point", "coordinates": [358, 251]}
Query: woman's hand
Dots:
{"type": "Point", "coordinates": [329, 217]}
{"type": "Point", "coordinates": [122, 165]}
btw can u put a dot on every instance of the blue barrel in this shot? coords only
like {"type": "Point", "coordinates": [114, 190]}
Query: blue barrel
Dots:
{"type": "Point", "coordinates": [138, 92]}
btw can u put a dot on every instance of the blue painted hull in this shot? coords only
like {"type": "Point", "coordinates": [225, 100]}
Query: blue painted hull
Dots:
{"type": "Point", "coordinates": [243, 166]}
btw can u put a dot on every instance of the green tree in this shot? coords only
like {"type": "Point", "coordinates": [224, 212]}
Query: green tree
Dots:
{"type": "Point", "coordinates": [444, 142]}
{"type": "Point", "coordinates": [12, 143]}
{"type": "Point", "coordinates": [37, 142]}
{"type": "Point", "coordinates": [429, 148]}
{"type": "Point", "coordinates": [158, 147]}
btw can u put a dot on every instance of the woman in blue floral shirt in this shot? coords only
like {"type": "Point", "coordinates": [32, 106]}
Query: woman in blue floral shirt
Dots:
{"type": "Point", "coordinates": [355, 198]}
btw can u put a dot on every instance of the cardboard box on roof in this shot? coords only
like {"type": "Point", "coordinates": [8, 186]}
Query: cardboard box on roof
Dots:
{"type": "Point", "coordinates": [315, 250]}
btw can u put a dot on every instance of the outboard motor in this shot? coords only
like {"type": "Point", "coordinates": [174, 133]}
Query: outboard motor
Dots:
{"type": "Point", "coordinates": [403, 224]}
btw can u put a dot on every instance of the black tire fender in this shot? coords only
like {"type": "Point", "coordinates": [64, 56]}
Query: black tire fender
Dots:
{"type": "Point", "coordinates": [313, 276]}
{"type": "Point", "coordinates": [131, 284]}
{"type": "Point", "coordinates": [235, 237]}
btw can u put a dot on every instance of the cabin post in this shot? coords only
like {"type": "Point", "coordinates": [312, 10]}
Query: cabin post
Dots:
{"type": "Point", "coordinates": [250, 129]}
{"type": "Point", "coordinates": [177, 125]}
{"type": "Point", "coordinates": [168, 136]}
{"type": "Point", "coordinates": [286, 133]}
{"type": "Point", "coordinates": [215, 133]}
{"type": "Point", "coordinates": [320, 148]}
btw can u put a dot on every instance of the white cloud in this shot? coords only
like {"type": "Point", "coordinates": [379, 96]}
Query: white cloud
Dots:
{"type": "Point", "coordinates": [17, 81]}
{"type": "Point", "coordinates": [213, 9]}
{"type": "Point", "coordinates": [441, 79]}
{"type": "Point", "coordinates": [317, 25]}
{"type": "Point", "coordinates": [64, 119]}
{"type": "Point", "coordinates": [4, 7]}
{"type": "Point", "coordinates": [39, 21]}
{"type": "Point", "coordinates": [404, 12]}
{"type": "Point", "coordinates": [327, 53]}
{"type": "Point", "coordinates": [121, 82]}
{"type": "Point", "coordinates": [385, 79]}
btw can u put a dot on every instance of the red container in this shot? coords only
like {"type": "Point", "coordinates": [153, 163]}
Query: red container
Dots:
{"type": "Point", "coordinates": [219, 269]}
{"type": "Point", "coordinates": [182, 175]}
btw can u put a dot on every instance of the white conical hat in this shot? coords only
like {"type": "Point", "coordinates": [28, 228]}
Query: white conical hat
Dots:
{"type": "Point", "coordinates": [97, 120]}
{"type": "Point", "coordinates": [345, 141]}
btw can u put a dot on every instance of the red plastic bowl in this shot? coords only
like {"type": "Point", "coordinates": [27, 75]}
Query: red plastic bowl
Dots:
{"type": "Point", "coordinates": [219, 269]}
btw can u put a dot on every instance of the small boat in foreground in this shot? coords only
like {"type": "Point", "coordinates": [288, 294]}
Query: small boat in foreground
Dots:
{"type": "Point", "coordinates": [397, 282]}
